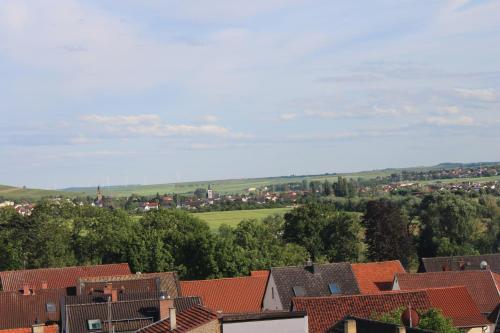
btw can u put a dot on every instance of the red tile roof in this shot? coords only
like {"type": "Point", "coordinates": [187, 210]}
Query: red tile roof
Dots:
{"type": "Point", "coordinates": [457, 303]}
{"type": "Point", "coordinates": [47, 329]}
{"type": "Point", "coordinates": [57, 277]}
{"type": "Point", "coordinates": [229, 295]}
{"type": "Point", "coordinates": [480, 284]}
{"type": "Point", "coordinates": [325, 312]}
{"type": "Point", "coordinates": [186, 321]}
{"type": "Point", "coordinates": [375, 277]}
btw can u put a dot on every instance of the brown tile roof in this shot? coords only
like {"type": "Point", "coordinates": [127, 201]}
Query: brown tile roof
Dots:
{"type": "Point", "coordinates": [125, 315]}
{"type": "Point", "coordinates": [229, 295]}
{"type": "Point", "coordinates": [480, 284]}
{"type": "Point", "coordinates": [372, 326]}
{"type": "Point", "coordinates": [18, 310]}
{"type": "Point", "coordinates": [376, 276]}
{"type": "Point", "coordinates": [325, 312]}
{"type": "Point", "coordinates": [314, 280]}
{"type": "Point", "coordinates": [57, 277]}
{"type": "Point", "coordinates": [167, 282]}
{"type": "Point", "coordinates": [186, 321]}
{"type": "Point", "coordinates": [458, 263]}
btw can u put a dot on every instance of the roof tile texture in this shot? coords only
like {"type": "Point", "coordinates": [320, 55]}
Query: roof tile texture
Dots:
{"type": "Point", "coordinates": [186, 321]}
{"type": "Point", "coordinates": [376, 276]}
{"type": "Point", "coordinates": [455, 303]}
{"type": "Point", "coordinates": [458, 263]}
{"type": "Point", "coordinates": [480, 284]}
{"type": "Point", "coordinates": [229, 295]}
{"type": "Point", "coordinates": [57, 277]}
{"type": "Point", "coordinates": [314, 279]}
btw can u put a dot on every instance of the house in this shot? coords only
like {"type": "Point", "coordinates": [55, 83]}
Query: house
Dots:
{"type": "Point", "coordinates": [455, 303]}
{"type": "Point", "coordinates": [54, 278]}
{"type": "Point", "coordinates": [265, 322]}
{"type": "Point", "coordinates": [194, 320]}
{"type": "Point", "coordinates": [376, 277]}
{"type": "Point", "coordinates": [310, 280]}
{"type": "Point", "coordinates": [480, 284]}
{"type": "Point", "coordinates": [352, 324]}
{"type": "Point", "coordinates": [230, 295]}
{"type": "Point", "coordinates": [24, 308]}
{"type": "Point", "coordinates": [147, 206]}
{"type": "Point", "coordinates": [461, 263]}
{"type": "Point", "coordinates": [114, 308]}
{"type": "Point", "coordinates": [164, 282]}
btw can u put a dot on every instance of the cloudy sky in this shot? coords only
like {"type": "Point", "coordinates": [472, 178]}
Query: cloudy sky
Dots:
{"type": "Point", "coordinates": [151, 91]}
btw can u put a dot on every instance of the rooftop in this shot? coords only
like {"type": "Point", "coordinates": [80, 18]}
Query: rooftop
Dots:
{"type": "Point", "coordinates": [57, 277]}
{"type": "Point", "coordinates": [459, 263]}
{"type": "Point", "coordinates": [376, 276]}
{"type": "Point", "coordinates": [186, 321]}
{"type": "Point", "coordinates": [229, 295]}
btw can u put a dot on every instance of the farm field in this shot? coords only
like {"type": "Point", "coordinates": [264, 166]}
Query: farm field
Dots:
{"type": "Point", "coordinates": [17, 193]}
{"type": "Point", "coordinates": [232, 218]}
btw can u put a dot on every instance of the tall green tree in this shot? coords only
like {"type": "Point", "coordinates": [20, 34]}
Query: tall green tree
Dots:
{"type": "Point", "coordinates": [387, 233]}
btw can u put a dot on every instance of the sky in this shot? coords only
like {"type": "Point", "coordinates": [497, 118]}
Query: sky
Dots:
{"type": "Point", "coordinates": [102, 92]}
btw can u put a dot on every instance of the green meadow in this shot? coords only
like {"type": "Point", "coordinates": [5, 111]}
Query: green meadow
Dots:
{"type": "Point", "coordinates": [233, 217]}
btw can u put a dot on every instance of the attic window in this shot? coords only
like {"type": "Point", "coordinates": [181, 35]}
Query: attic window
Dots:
{"type": "Point", "coordinates": [94, 324]}
{"type": "Point", "coordinates": [334, 288]}
{"type": "Point", "coordinates": [299, 291]}
{"type": "Point", "coordinates": [51, 307]}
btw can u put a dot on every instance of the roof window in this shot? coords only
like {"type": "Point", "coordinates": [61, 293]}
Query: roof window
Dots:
{"type": "Point", "coordinates": [94, 324]}
{"type": "Point", "coordinates": [51, 307]}
{"type": "Point", "coordinates": [334, 288]}
{"type": "Point", "coordinates": [299, 291]}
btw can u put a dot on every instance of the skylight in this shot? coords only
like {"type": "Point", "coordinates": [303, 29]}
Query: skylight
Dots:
{"type": "Point", "coordinates": [94, 324]}
{"type": "Point", "coordinates": [299, 291]}
{"type": "Point", "coordinates": [51, 307]}
{"type": "Point", "coordinates": [334, 288]}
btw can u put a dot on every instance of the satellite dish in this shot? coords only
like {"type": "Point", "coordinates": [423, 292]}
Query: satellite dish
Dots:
{"type": "Point", "coordinates": [483, 265]}
{"type": "Point", "coordinates": [410, 317]}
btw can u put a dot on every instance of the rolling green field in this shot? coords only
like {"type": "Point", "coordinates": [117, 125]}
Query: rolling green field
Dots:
{"type": "Point", "coordinates": [232, 218]}
{"type": "Point", "coordinates": [17, 193]}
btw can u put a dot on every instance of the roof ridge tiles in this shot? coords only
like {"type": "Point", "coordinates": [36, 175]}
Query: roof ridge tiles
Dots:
{"type": "Point", "coordinates": [54, 268]}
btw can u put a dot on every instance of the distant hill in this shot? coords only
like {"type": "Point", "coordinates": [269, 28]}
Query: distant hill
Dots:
{"type": "Point", "coordinates": [19, 193]}
{"type": "Point", "coordinates": [241, 185]}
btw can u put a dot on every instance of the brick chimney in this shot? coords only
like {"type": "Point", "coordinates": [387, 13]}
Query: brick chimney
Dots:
{"type": "Point", "coordinates": [26, 289]}
{"type": "Point", "coordinates": [45, 285]}
{"type": "Point", "coordinates": [165, 304]}
{"type": "Point", "coordinates": [172, 318]}
{"type": "Point", "coordinates": [108, 287]}
{"type": "Point", "coordinates": [114, 295]}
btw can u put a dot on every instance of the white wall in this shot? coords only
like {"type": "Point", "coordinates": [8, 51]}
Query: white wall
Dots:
{"type": "Point", "coordinates": [289, 325]}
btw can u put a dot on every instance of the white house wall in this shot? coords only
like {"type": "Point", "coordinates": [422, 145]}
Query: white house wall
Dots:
{"type": "Point", "coordinates": [289, 325]}
{"type": "Point", "coordinates": [270, 302]}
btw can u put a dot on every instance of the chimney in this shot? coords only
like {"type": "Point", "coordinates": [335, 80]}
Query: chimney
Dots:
{"type": "Point", "coordinates": [37, 328]}
{"type": "Point", "coordinates": [45, 285]}
{"type": "Point", "coordinates": [114, 295]}
{"type": "Point", "coordinates": [165, 304]}
{"type": "Point", "coordinates": [350, 326]}
{"type": "Point", "coordinates": [172, 318]}
{"type": "Point", "coordinates": [108, 287]}
{"type": "Point", "coordinates": [26, 289]}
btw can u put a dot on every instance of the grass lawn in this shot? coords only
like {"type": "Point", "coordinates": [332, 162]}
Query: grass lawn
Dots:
{"type": "Point", "coordinates": [233, 217]}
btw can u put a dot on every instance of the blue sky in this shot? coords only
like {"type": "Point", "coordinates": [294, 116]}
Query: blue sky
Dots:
{"type": "Point", "coordinates": [125, 92]}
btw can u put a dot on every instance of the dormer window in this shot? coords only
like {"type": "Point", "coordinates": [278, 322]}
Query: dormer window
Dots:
{"type": "Point", "coordinates": [299, 291]}
{"type": "Point", "coordinates": [334, 288]}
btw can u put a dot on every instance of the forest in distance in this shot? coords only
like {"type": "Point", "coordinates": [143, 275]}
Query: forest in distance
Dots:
{"type": "Point", "coordinates": [60, 234]}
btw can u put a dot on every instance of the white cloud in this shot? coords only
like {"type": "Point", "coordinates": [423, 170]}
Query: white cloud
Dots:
{"type": "Point", "coordinates": [447, 121]}
{"type": "Point", "coordinates": [486, 95]}
{"type": "Point", "coordinates": [288, 116]}
{"type": "Point", "coordinates": [404, 110]}
{"type": "Point", "coordinates": [448, 110]}
{"type": "Point", "coordinates": [209, 118]}
{"type": "Point", "coordinates": [326, 114]}
{"type": "Point", "coordinates": [151, 125]}
{"type": "Point", "coordinates": [121, 119]}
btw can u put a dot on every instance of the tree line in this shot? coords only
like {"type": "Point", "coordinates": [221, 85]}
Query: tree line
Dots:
{"type": "Point", "coordinates": [62, 234]}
